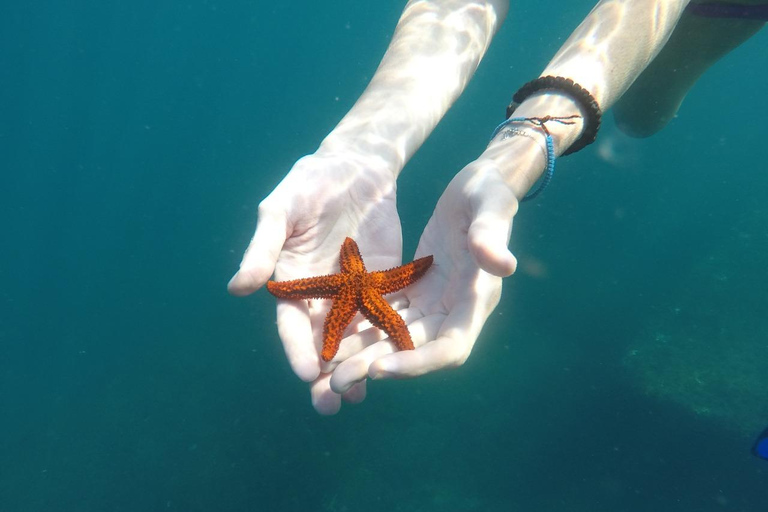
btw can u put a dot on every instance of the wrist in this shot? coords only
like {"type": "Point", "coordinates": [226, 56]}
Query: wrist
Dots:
{"type": "Point", "coordinates": [373, 152]}
{"type": "Point", "coordinates": [556, 105]}
{"type": "Point", "coordinates": [520, 155]}
{"type": "Point", "coordinates": [376, 151]}
{"type": "Point", "coordinates": [554, 122]}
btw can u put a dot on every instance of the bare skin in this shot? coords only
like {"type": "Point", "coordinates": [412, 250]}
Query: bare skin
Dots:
{"type": "Point", "coordinates": [348, 186]}
{"type": "Point", "coordinates": [695, 45]}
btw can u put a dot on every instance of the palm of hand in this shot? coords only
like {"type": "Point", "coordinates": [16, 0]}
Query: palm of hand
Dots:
{"type": "Point", "coordinates": [467, 235]}
{"type": "Point", "coordinates": [302, 225]}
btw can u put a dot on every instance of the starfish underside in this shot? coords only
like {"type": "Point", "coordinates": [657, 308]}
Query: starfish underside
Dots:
{"type": "Point", "coordinates": [355, 289]}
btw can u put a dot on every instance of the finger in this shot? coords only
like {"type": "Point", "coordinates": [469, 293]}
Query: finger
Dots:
{"type": "Point", "coordinates": [354, 370]}
{"type": "Point", "coordinates": [295, 330]}
{"type": "Point", "coordinates": [366, 335]}
{"type": "Point", "coordinates": [325, 401]}
{"type": "Point", "coordinates": [355, 394]}
{"type": "Point", "coordinates": [452, 344]}
{"type": "Point", "coordinates": [489, 234]}
{"type": "Point", "coordinates": [260, 258]}
{"type": "Point", "coordinates": [444, 352]}
{"type": "Point", "coordinates": [357, 368]}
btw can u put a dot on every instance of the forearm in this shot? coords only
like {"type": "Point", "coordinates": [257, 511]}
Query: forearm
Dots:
{"type": "Point", "coordinates": [614, 44]}
{"type": "Point", "coordinates": [434, 51]}
{"type": "Point", "coordinates": [604, 55]}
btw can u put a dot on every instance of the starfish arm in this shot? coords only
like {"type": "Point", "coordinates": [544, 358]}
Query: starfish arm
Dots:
{"type": "Point", "coordinates": [378, 311]}
{"type": "Point", "coordinates": [339, 317]}
{"type": "Point", "coordinates": [388, 281]}
{"type": "Point", "coordinates": [352, 290]}
{"type": "Point", "coordinates": [350, 259]}
{"type": "Point", "coordinates": [323, 287]}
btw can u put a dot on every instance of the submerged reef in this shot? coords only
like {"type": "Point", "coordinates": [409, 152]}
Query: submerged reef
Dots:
{"type": "Point", "coordinates": [706, 346]}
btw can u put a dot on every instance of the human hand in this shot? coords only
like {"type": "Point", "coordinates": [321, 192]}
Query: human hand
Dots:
{"type": "Point", "coordinates": [301, 225]}
{"type": "Point", "coordinates": [445, 311]}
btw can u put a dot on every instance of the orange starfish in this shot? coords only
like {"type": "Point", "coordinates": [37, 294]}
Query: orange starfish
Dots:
{"type": "Point", "coordinates": [355, 289]}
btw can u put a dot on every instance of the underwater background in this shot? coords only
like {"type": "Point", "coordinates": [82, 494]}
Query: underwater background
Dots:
{"type": "Point", "coordinates": [624, 370]}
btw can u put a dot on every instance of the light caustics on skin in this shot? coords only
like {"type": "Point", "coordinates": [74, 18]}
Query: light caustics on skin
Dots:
{"type": "Point", "coordinates": [617, 24]}
{"type": "Point", "coordinates": [435, 50]}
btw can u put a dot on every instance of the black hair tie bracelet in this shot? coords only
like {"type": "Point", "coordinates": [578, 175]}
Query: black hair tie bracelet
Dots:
{"type": "Point", "coordinates": [575, 91]}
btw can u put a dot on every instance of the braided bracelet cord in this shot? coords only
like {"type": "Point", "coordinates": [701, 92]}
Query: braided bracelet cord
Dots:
{"type": "Point", "coordinates": [541, 123]}
{"type": "Point", "coordinates": [578, 93]}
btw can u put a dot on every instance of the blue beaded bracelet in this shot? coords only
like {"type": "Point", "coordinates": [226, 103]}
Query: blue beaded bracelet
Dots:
{"type": "Point", "coordinates": [540, 122]}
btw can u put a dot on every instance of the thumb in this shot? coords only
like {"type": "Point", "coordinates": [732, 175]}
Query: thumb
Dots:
{"type": "Point", "coordinates": [260, 258]}
{"type": "Point", "coordinates": [489, 234]}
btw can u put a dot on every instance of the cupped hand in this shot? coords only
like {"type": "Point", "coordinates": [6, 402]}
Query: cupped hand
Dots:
{"type": "Point", "coordinates": [300, 228]}
{"type": "Point", "coordinates": [446, 310]}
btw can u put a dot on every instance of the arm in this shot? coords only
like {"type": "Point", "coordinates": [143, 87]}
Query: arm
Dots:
{"type": "Point", "coordinates": [472, 222]}
{"type": "Point", "coordinates": [347, 187]}
{"type": "Point", "coordinates": [605, 54]}
{"type": "Point", "coordinates": [434, 52]}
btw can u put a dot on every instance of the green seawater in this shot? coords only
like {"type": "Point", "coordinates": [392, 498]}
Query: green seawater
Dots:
{"type": "Point", "coordinates": [624, 369]}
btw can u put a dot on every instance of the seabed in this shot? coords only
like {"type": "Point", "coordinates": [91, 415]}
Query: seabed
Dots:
{"type": "Point", "coordinates": [707, 349]}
